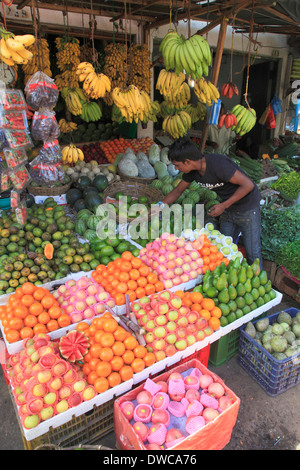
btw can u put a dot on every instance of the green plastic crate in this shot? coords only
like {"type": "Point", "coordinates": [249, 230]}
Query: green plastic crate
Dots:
{"type": "Point", "coordinates": [225, 348]}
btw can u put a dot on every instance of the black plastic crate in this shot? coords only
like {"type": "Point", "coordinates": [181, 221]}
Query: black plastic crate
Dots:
{"type": "Point", "coordinates": [272, 375]}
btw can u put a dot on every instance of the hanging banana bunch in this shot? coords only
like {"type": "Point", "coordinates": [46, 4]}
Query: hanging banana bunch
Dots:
{"type": "Point", "coordinates": [74, 99]}
{"type": "Point", "coordinates": [181, 98]}
{"type": "Point", "coordinates": [168, 83]}
{"type": "Point", "coordinates": [197, 112]}
{"type": "Point", "coordinates": [177, 125]}
{"type": "Point", "coordinates": [206, 92]}
{"type": "Point", "coordinates": [245, 117]}
{"type": "Point", "coordinates": [151, 108]}
{"type": "Point", "coordinates": [13, 48]}
{"type": "Point", "coordinates": [140, 67]}
{"type": "Point", "coordinates": [68, 59]}
{"type": "Point", "coordinates": [95, 85]}
{"type": "Point", "coordinates": [66, 127]}
{"type": "Point", "coordinates": [115, 68]}
{"type": "Point", "coordinates": [129, 102]}
{"type": "Point", "coordinates": [40, 60]}
{"type": "Point", "coordinates": [71, 154]}
{"type": "Point", "coordinates": [191, 56]}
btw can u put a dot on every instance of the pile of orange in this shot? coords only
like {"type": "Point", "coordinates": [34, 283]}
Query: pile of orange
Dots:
{"type": "Point", "coordinates": [127, 275]}
{"type": "Point", "coordinates": [29, 311]}
{"type": "Point", "coordinates": [205, 307]}
{"type": "Point", "coordinates": [112, 148]}
{"type": "Point", "coordinates": [114, 354]}
{"type": "Point", "coordinates": [209, 253]}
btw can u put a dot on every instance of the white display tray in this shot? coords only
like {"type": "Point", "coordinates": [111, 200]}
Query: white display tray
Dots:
{"type": "Point", "coordinates": [150, 371]}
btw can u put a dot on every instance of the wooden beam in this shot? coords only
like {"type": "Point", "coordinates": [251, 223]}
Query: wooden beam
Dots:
{"type": "Point", "coordinates": [279, 15]}
{"type": "Point", "coordinates": [215, 71]}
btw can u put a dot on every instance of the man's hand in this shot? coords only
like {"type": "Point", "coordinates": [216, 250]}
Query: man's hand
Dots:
{"type": "Point", "coordinates": [216, 210]}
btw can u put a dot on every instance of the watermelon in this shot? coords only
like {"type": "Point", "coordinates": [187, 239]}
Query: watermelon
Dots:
{"type": "Point", "coordinates": [73, 346]}
{"type": "Point", "coordinates": [158, 184]}
{"type": "Point", "coordinates": [84, 214]}
{"type": "Point", "coordinates": [73, 195]}
{"type": "Point", "coordinates": [93, 221]}
{"type": "Point", "coordinates": [83, 182]}
{"type": "Point", "coordinates": [80, 226]}
{"type": "Point", "coordinates": [167, 189]}
{"type": "Point", "coordinates": [79, 205]}
{"type": "Point", "coordinates": [90, 234]}
{"type": "Point", "coordinates": [100, 182]}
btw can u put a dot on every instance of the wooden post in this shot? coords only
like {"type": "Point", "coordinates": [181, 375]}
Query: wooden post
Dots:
{"type": "Point", "coordinates": [216, 71]}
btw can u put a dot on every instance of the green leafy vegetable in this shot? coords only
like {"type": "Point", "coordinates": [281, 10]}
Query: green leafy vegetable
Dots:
{"type": "Point", "coordinates": [289, 184]}
{"type": "Point", "coordinates": [289, 257]}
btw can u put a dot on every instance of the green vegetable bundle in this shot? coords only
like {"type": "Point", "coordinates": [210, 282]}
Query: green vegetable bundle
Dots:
{"type": "Point", "coordinates": [289, 258]}
{"type": "Point", "coordinates": [288, 184]}
{"type": "Point", "coordinates": [279, 227]}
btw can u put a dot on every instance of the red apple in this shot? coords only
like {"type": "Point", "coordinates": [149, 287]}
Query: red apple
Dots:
{"type": "Point", "coordinates": [144, 397]}
{"type": "Point", "coordinates": [173, 434]}
{"type": "Point", "coordinates": [164, 386]}
{"type": "Point", "coordinates": [192, 394]}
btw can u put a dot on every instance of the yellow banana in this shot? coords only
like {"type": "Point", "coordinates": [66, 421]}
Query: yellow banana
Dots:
{"type": "Point", "coordinates": [4, 51]}
{"type": "Point", "coordinates": [26, 40]}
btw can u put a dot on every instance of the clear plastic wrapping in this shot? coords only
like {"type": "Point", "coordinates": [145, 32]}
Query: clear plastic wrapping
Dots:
{"type": "Point", "coordinates": [20, 177]}
{"type": "Point", "coordinates": [5, 181]}
{"type": "Point", "coordinates": [45, 172]}
{"type": "Point", "coordinates": [21, 213]}
{"type": "Point", "coordinates": [41, 91]}
{"type": "Point", "coordinates": [51, 151]}
{"type": "Point", "coordinates": [12, 100]}
{"type": "Point", "coordinates": [14, 119]}
{"type": "Point", "coordinates": [18, 138]}
{"type": "Point", "coordinates": [15, 157]}
{"type": "Point", "coordinates": [44, 126]}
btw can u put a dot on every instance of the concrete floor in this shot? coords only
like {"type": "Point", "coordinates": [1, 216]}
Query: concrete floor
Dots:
{"type": "Point", "coordinates": [263, 423]}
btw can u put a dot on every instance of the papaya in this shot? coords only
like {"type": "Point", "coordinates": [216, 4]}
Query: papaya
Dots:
{"type": "Point", "coordinates": [240, 288]}
{"type": "Point", "coordinates": [263, 278]}
{"type": "Point", "coordinates": [232, 292]}
{"type": "Point", "coordinates": [222, 282]}
{"type": "Point", "coordinates": [48, 251]}
{"type": "Point", "coordinates": [242, 275]}
{"type": "Point", "coordinates": [256, 267]}
{"type": "Point", "coordinates": [223, 296]}
{"type": "Point", "coordinates": [249, 272]}
{"type": "Point", "coordinates": [232, 277]}
{"type": "Point", "coordinates": [248, 286]}
{"type": "Point", "coordinates": [255, 281]}
{"type": "Point", "coordinates": [254, 293]}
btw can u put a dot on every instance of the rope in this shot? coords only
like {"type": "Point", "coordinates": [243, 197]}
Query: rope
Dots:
{"type": "Point", "coordinates": [4, 16]}
{"type": "Point", "coordinates": [249, 54]}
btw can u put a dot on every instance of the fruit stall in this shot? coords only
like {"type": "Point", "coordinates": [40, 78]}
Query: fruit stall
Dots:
{"type": "Point", "coordinates": [109, 325]}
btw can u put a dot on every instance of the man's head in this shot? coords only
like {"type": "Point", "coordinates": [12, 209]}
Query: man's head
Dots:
{"type": "Point", "coordinates": [184, 154]}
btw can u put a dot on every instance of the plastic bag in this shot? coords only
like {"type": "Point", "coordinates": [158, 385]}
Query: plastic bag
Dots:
{"type": "Point", "coordinates": [51, 151]}
{"type": "Point", "coordinates": [41, 92]}
{"type": "Point", "coordinates": [270, 121]}
{"type": "Point", "coordinates": [5, 181]}
{"type": "Point", "coordinates": [213, 112]}
{"type": "Point", "coordinates": [15, 157]}
{"type": "Point", "coordinates": [18, 138]}
{"type": "Point", "coordinates": [276, 105]}
{"type": "Point", "coordinates": [44, 126]}
{"type": "Point", "coordinates": [45, 172]}
{"type": "Point", "coordinates": [21, 213]}
{"type": "Point", "coordinates": [14, 199]}
{"type": "Point", "coordinates": [20, 177]}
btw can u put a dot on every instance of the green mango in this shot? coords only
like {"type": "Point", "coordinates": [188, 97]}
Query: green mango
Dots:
{"type": "Point", "coordinates": [249, 272]}
{"type": "Point", "coordinates": [233, 278]}
{"type": "Point", "coordinates": [239, 313]}
{"type": "Point", "coordinates": [260, 301]}
{"type": "Point", "coordinates": [263, 278]}
{"type": "Point", "coordinates": [267, 298]}
{"type": "Point", "coordinates": [232, 305]}
{"type": "Point", "coordinates": [211, 292]}
{"type": "Point", "coordinates": [236, 263]}
{"type": "Point", "coordinates": [232, 292]}
{"type": "Point", "coordinates": [253, 306]}
{"type": "Point", "coordinates": [255, 281]}
{"type": "Point", "coordinates": [248, 286]}
{"type": "Point", "coordinates": [242, 275]}
{"type": "Point", "coordinates": [198, 288]}
{"type": "Point", "coordinates": [268, 286]}
{"type": "Point", "coordinates": [224, 309]}
{"type": "Point", "coordinates": [261, 290]}
{"type": "Point", "coordinates": [256, 267]}
{"type": "Point", "coordinates": [255, 293]}
{"type": "Point", "coordinates": [240, 289]}
{"type": "Point", "coordinates": [206, 286]}
{"type": "Point", "coordinates": [246, 309]}
{"type": "Point", "coordinates": [248, 298]}
{"type": "Point", "coordinates": [223, 296]}
{"type": "Point", "coordinates": [240, 301]}
{"type": "Point", "coordinates": [222, 282]}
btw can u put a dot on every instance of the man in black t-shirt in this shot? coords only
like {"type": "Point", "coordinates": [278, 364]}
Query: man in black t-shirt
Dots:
{"type": "Point", "coordinates": [239, 209]}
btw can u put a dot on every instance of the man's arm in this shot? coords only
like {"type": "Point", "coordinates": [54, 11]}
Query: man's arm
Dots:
{"type": "Point", "coordinates": [176, 192]}
{"type": "Point", "coordinates": [245, 185]}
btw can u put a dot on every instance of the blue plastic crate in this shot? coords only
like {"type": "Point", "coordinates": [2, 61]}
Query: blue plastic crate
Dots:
{"type": "Point", "coordinates": [273, 376]}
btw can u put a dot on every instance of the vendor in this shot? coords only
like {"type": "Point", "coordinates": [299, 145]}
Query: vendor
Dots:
{"type": "Point", "coordinates": [220, 140]}
{"type": "Point", "coordinates": [239, 210]}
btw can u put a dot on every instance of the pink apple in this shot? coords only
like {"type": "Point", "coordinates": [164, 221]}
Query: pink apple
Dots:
{"type": "Point", "coordinates": [184, 278]}
{"type": "Point", "coordinates": [69, 309]}
{"type": "Point", "coordinates": [102, 296]}
{"type": "Point", "coordinates": [182, 322]}
{"type": "Point", "coordinates": [127, 408]}
{"type": "Point", "coordinates": [80, 305]}
{"type": "Point", "coordinates": [88, 313]}
{"type": "Point", "coordinates": [59, 368]}
{"type": "Point", "coordinates": [190, 380]}
{"type": "Point", "coordinates": [209, 414]}
{"type": "Point", "coordinates": [208, 331]}
{"type": "Point", "coordinates": [160, 432]}
{"type": "Point", "coordinates": [170, 264]}
{"type": "Point", "coordinates": [159, 344]}
{"type": "Point", "coordinates": [175, 376]}
{"type": "Point", "coordinates": [76, 317]}
{"type": "Point", "coordinates": [171, 326]}
{"type": "Point", "coordinates": [44, 376]}
{"type": "Point", "coordinates": [160, 416]}
{"type": "Point", "coordinates": [163, 385]}
{"type": "Point", "coordinates": [180, 242]}
{"type": "Point", "coordinates": [201, 323]}
{"type": "Point", "coordinates": [92, 289]}
{"type": "Point", "coordinates": [178, 271]}
{"type": "Point", "coordinates": [176, 303]}
{"type": "Point", "coordinates": [160, 332]}
{"type": "Point", "coordinates": [181, 333]}
{"type": "Point", "coordinates": [39, 390]}
{"type": "Point", "coordinates": [173, 434]}
{"type": "Point", "coordinates": [162, 309]}
{"type": "Point", "coordinates": [172, 315]}
{"type": "Point", "coordinates": [70, 376]}
{"type": "Point", "coordinates": [216, 390]}
{"type": "Point", "coordinates": [143, 411]}
{"type": "Point", "coordinates": [55, 384]}
{"type": "Point", "coordinates": [144, 397]}
{"type": "Point", "coordinates": [192, 394]}
{"type": "Point", "coordinates": [187, 259]}
{"type": "Point", "coordinates": [193, 274]}
{"type": "Point", "coordinates": [184, 311]}
{"type": "Point", "coordinates": [62, 406]}
{"type": "Point", "coordinates": [225, 402]}
{"type": "Point", "coordinates": [80, 294]}
{"type": "Point", "coordinates": [35, 405]}
{"type": "Point", "coordinates": [205, 380]}
{"type": "Point", "coordinates": [64, 392]}
{"type": "Point", "coordinates": [82, 282]}
{"type": "Point", "coordinates": [141, 430]}
{"type": "Point", "coordinates": [176, 281]}
{"type": "Point", "coordinates": [191, 339]}
{"type": "Point", "coordinates": [170, 350]}
{"type": "Point", "coordinates": [161, 320]}
{"type": "Point", "coordinates": [191, 329]}
{"type": "Point", "coordinates": [150, 325]}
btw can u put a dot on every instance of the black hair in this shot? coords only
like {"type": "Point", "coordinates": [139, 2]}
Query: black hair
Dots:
{"type": "Point", "coordinates": [184, 149]}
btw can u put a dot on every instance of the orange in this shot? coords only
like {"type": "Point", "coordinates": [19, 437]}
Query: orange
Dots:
{"type": "Point", "coordinates": [120, 333]}
{"type": "Point", "coordinates": [122, 287]}
{"type": "Point", "coordinates": [36, 308]}
{"type": "Point", "coordinates": [179, 293]}
{"type": "Point", "coordinates": [196, 307]}
{"type": "Point", "coordinates": [52, 325]}
{"type": "Point", "coordinates": [214, 323]}
{"type": "Point", "coordinates": [120, 299]}
{"type": "Point", "coordinates": [86, 369]}
{"type": "Point", "coordinates": [95, 350]}
{"type": "Point", "coordinates": [152, 278]}
{"type": "Point", "coordinates": [126, 373]}
{"type": "Point", "coordinates": [26, 332]}
{"type": "Point", "coordinates": [142, 281]}
{"type": "Point", "coordinates": [126, 266]}
{"type": "Point", "coordinates": [206, 260]}
{"type": "Point", "coordinates": [107, 339]}
{"type": "Point", "coordinates": [208, 304]}
{"type": "Point", "coordinates": [216, 312]}
{"type": "Point", "coordinates": [15, 323]}
{"type": "Point", "coordinates": [12, 336]}
{"type": "Point", "coordinates": [82, 326]}
{"type": "Point", "coordinates": [149, 289]}
{"type": "Point", "coordinates": [92, 377]}
{"type": "Point", "coordinates": [205, 314]}
{"type": "Point", "coordinates": [124, 276]}
{"type": "Point", "coordinates": [130, 342]}
{"type": "Point", "coordinates": [205, 251]}
{"type": "Point", "coordinates": [64, 320]}
{"type": "Point", "coordinates": [114, 379]}
{"type": "Point", "coordinates": [21, 311]}
{"type": "Point", "coordinates": [106, 354]}
{"type": "Point", "coordinates": [131, 295]}
{"type": "Point", "coordinates": [93, 362]}
{"type": "Point", "coordinates": [187, 301]}
{"type": "Point", "coordinates": [30, 320]}
{"type": "Point", "coordinates": [103, 369]}
{"type": "Point", "coordinates": [101, 384]}
{"type": "Point", "coordinates": [116, 363]}
{"type": "Point", "coordinates": [128, 356]}
{"type": "Point", "coordinates": [144, 270]}
{"type": "Point", "coordinates": [43, 317]}
{"type": "Point", "coordinates": [136, 263]}
{"type": "Point", "coordinates": [118, 348]}
{"type": "Point", "coordinates": [138, 365]}
{"type": "Point", "coordinates": [39, 293]}
{"type": "Point", "coordinates": [110, 325]}
{"type": "Point", "coordinates": [159, 286]}
{"type": "Point", "coordinates": [134, 274]}
{"type": "Point", "coordinates": [149, 359]}
{"type": "Point", "coordinates": [212, 266]}
{"type": "Point", "coordinates": [196, 297]}
{"type": "Point", "coordinates": [47, 301]}
{"type": "Point", "coordinates": [98, 322]}
{"type": "Point", "coordinates": [140, 351]}
{"type": "Point", "coordinates": [140, 291]}
{"type": "Point", "coordinates": [127, 255]}
{"type": "Point", "coordinates": [28, 288]}
{"type": "Point", "coordinates": [39, 328]}
{"type": "Point", "coordinates": [97, 335]}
